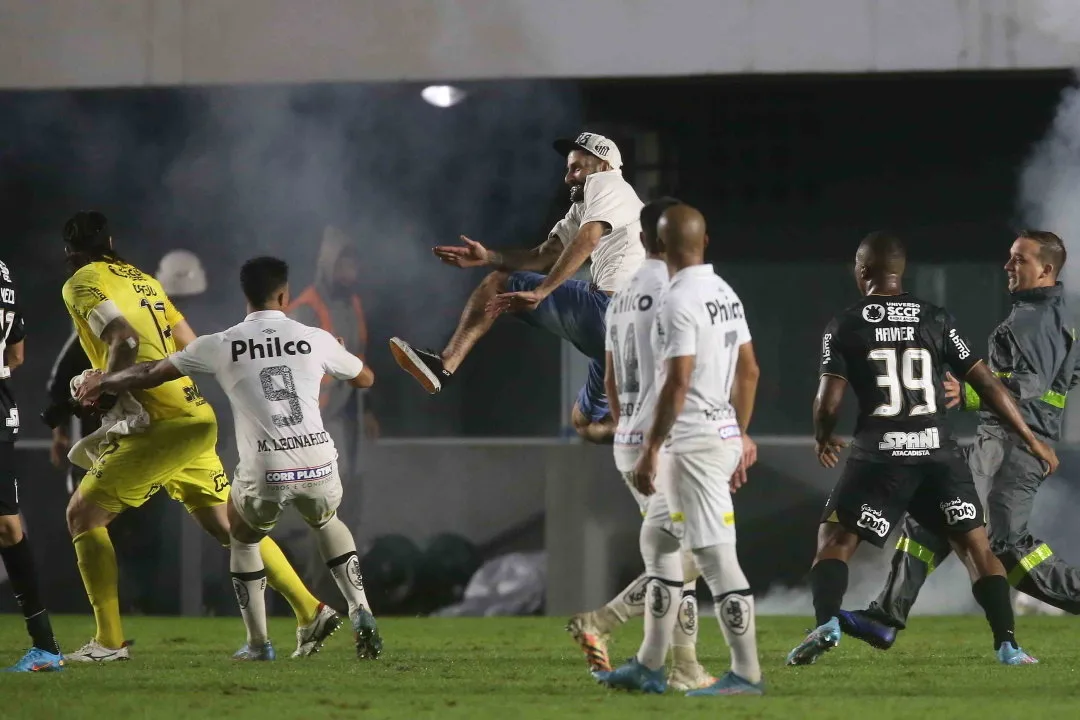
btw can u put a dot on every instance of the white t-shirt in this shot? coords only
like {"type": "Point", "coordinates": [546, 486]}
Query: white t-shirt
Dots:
{"type": "Point", "coordinates": [612, 200]}
{"type": "Point", "coordinates": [271, 368]}
{"type": "Point", "coordinates": [631, 316]}
{"type": "Point", "coordinates": [701, 315]}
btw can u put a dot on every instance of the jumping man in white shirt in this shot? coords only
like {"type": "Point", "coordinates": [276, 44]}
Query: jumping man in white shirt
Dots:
{"type": "Point", "coordinates": [630, 382]}
{"type": "Point", "coordinates": [707, 375]}
{"type": "Point", "coordinates": [602, 225]}
{"type": "Point", "coordinates": [271, 368]}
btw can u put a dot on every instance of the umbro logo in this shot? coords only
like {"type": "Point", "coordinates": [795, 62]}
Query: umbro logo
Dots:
{"type": "Point", "coordinates": [269, 331]}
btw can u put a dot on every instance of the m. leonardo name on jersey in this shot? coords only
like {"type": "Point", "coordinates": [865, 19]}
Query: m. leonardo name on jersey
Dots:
{"type": "Point", "coordinates": [911, 444]}
{"type": "Point", "coordinates": [894, 334]}
{"type": "Point", "coordinates": [299, 474]}
{"type": "Point", "coordinates": [293, 442]}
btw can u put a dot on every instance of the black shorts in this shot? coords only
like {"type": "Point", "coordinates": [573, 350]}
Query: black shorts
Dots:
{"type": "Point", "coordinates": [872, 497]}
{"type": "Point", "coordinates": [9, 486]}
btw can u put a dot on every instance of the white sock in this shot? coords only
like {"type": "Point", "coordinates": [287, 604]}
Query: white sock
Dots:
{"type": "Point", "coordinates": [734, 606]}
{"type": "Point", "coordinates": [628, 603]}
{"type": "Point", "coordinates": [338, 550]}
{"type": "Point", "coordinates": [249, 584]}
{"type": "Point", "coordinates": [663, 565]}
{"type": "Point", "coordinates": [684, 640]}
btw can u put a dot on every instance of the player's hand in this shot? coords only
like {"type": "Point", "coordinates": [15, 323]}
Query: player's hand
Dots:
{"type": "Point", "coordinates": [1046, 454]}
{"type": "Point", "coordinates": [58, 451]}
{"type": "Point", "coordinates": [524, 301]}
{"type": "Point", "coordinates": [828, 452]}
{"type": "Point", "coordinates": [89, 391]}
{"type": "Point", "coordinates": [749, 457]}
{"type": "Point", "coordinates": [645, 472]}
{"type": "Point", "coordinates": [952, 390]}
{"type": "Point", "coordinates": [468, 255]}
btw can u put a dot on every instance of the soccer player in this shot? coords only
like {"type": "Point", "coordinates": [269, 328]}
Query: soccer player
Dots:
{"type": "Point", "coordinates": [630, 383]}
{"type": "Point", "coordinates": [892, 348]}
{"type": "Point", "coordinates": [602, 225]}
{"type": "Point", "coordinates": [44, 654]}
{"type": "Point", "coordinates": [1034, 352]}
{"type": "Point", "coordinates": [272, 368]}
{"type": "Point", "coordinates": [123, 316]}
{"type": "Point", "coordinates": [707, 374]}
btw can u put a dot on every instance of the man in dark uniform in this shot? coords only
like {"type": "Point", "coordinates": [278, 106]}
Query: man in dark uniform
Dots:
{"type": "Point", "coordinates": [1034, 352]}
{"type": "Point", "coordinates": [892, 348]}
{"type": "Point", "coordinates": [44, 655]}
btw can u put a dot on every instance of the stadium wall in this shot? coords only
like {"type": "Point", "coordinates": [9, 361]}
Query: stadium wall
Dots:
{"type": "Point", "coordinates": [75, 43]}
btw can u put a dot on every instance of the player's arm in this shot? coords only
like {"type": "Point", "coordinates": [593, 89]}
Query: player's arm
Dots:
{"type": "Point", "coordinates": [140, 376]}
{"type": "Point", "coordinates": [992, 392]}
{"type": "Point", "coordinates": [538, 259]}
{"type": "Point", "coordinates": [573, 256]}
{"type": "Point", "coordinates": [671, 400]}
{"type": "Point", "coordinates": [183, 335]}
{"type": "Point", "coordinates": [831, 386]}
{"type": "Point", "coordinates": [610, 388]}
{"type": "Point", "coordinates": [341, 364]}
{"type": "Point", "coordinates": [364, 380]}
{"type": "Point", "coordinates": [14, 354]}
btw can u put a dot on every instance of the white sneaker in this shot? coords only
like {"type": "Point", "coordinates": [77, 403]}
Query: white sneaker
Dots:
{"type": "Point", "coordinates": [94, 651]}
{"type": "Point", "coordinates": [310, 637]}
{"type": "Point", "coordinates": [685, 677]}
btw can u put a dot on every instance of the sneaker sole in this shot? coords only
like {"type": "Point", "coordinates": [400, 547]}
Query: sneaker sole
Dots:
{"type": "Point", "coordinates": [811, 652]}
{"type": "Point", "coordinates": [411, 363]}
{"type": "Point", "coordinates": [331, 627]}
{"type": "Point", "coordinates": [595, 656]}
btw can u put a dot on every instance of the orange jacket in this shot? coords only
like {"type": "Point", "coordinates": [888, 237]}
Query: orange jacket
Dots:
{"type": "Point", "coordinates": [310, 297]}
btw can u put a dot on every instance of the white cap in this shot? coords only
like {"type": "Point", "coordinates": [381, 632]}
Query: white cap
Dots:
{"type": "Point", "coordinates": [181, 273]}
{"type": "Point", "coordinates": [593, 144]}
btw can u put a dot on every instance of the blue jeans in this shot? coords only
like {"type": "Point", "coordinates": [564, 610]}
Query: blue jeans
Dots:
{"type": "Point", "coordinates": [575, 312]}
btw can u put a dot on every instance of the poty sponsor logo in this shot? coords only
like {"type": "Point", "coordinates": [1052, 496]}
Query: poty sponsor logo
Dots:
{"type": "Point", "coordinates": [957, 510]}
{"type": "Point", "coordinates": [276, 477]}
{"type": "Point", "coordinates": [903, 312]}
{"type": "Point", "coordinates": [871, 520]}
{"type": "Point", "coordinates": [961, 347]}
{"type": "Point", "coordinates": [911, 444]}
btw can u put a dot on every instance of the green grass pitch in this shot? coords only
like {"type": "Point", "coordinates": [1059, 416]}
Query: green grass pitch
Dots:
{"type": "Point", "coordinates": [528, 668]}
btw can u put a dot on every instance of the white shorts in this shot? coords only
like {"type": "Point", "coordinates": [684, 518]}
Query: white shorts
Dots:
{"type": "Point", "coordinates": [698, 492]}
{"type": "Point", "coordinates": [261, 505]}
{"type": "Point", "coordinates": [654, 508]}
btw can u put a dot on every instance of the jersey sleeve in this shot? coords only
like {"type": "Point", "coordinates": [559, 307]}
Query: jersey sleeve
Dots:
{"type": "Point", "coordinates": [172, 316]}
{"type": "Point", "coordinates": [678, 328]}
{"type": "Point", "coordinates": [832, 358]}
{"type": "Point", "coordinates": [338, 362]}
{"type": "Point", "coordinates": [567, 228]}
{"type": "Point", "coordinates": [741, 326]}
{"type": "Point", "coordinates": [84, 295]}
{"type": "Point", "coordinates": [201, 356]}
{"type": "Point", "coordinates": [957, 349]}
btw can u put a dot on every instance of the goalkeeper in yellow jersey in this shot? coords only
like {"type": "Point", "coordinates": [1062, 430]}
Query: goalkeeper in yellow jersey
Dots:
{"type": "Point", "coordinates": [163, 438]}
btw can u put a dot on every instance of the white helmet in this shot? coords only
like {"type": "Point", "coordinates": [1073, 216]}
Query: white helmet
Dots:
{"type": "Point", "coordinates": [181, 273]}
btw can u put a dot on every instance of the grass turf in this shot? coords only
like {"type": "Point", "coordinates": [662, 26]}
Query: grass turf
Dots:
{"type": "Point", "coordinates": [529, 668]}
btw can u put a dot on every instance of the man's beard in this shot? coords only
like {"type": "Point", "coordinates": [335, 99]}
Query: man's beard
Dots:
{"type": "Point", "coordinates": [577, 193]}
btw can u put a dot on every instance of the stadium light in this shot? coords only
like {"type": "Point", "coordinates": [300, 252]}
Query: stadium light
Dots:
{"type": "Point", "coordinates": [442, 96]}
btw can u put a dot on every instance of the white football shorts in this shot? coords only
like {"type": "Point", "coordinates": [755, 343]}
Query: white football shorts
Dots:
{"type": "Point", "coordinates": [654, 508]}
{"type": "Point", "coordinates": [314, 492]}
{"type": "Point", "coordinates": [698, 494]}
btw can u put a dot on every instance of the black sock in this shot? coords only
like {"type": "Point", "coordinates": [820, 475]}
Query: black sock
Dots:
{"type": "Point", "coordinates": [992, 593]}
{"type": "Point", "coordinates": [19, 563]}
{"type": "Point", "coordinates": [828, 581]}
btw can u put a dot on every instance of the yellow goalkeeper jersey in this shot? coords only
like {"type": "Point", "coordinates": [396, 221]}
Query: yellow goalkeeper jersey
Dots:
{"type": "Point", "coordinates": [100, 292]}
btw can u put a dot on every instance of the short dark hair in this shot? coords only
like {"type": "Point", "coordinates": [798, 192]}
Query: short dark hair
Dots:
{"type": "Point", "coordinates": [1051, 248]}
{"type": "Point", "coordinates": [262, 277]}
{"type": "Point", "coordinates": [884, 253]}
{"type": "Point", "coordinates": [650, 216]}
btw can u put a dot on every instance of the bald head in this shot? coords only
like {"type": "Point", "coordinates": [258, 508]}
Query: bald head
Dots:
{"type": "Point", "coordinates": [880, 261]}
{"type": "Point", "coordinates": [682, 233]}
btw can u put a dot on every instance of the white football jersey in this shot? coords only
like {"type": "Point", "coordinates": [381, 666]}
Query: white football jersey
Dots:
{"type": "Point", "coordinates": [271, 368]}
{"type": "Point", "coordinates": [701, 315]}
{"type": "Point", "coordinates": [612, 200]}
{"type": "Point", "coordinates": [631, 315]}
